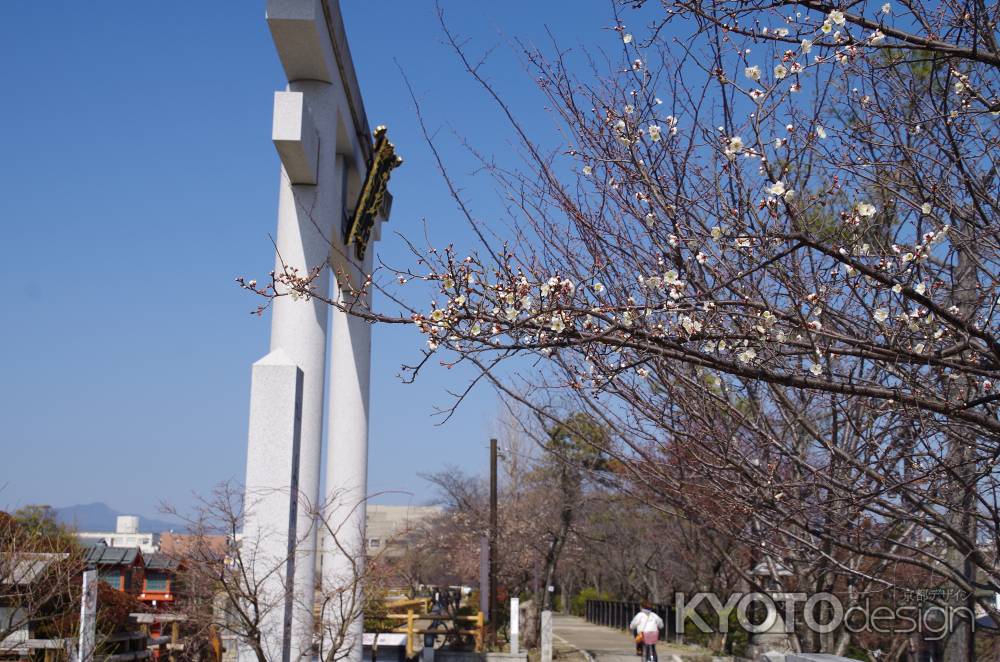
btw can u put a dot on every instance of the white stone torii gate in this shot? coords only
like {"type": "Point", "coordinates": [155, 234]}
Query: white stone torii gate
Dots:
{"type": "Point", "coordinates": [321, 134]}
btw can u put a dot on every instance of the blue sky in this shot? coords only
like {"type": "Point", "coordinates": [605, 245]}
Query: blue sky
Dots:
{"type": "Point", "coordinates": [139, 180]}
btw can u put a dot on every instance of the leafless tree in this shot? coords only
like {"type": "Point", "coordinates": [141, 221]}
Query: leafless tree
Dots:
{"type": "Point", "coordinates": [40, 574]}
{"type": "Point", "coordinates": [764, 252]}
{"type": "Point", "coordinates": [230, 581]}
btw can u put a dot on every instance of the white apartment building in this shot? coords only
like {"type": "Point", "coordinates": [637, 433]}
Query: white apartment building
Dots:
{"type": "Point", "coordinates": [126, 534]}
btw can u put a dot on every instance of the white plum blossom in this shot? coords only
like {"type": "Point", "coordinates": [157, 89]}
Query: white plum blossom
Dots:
{"type": "Point", "coordinates": [557, 323]}
{"type": "Point", "coordinates": [865, 209]}
{"type": "Point", "coordinates": [920, 288]}
{"type": "Point", "coordinates": [621, 133]}
{"type": "Point", "coordinates": [598, 287]}
{"type": "Point", "coordinates": [897, 288]}
{"type": "Point", "coordinates": [690, 325]}
{"type": "Point", "coordinates": [780, 71]}
{"type": "Point", "coordinates": [886, 8]}
{"type": "Point", "coordinates": [747, 355]}
{"type": "Point", "coordinates": [587, 170]}
{"type": "Point", "coordinates": [816, 369]}
{"type": "Point", "coordinates": [836, 17]}
{"type": "Point", "coordinates": [925, 208]}
{"type": "Point", "coordinates": [476, 329]}
{"type": "Point", "coordinates": [807, 45]}
{"type": "Point", "coordinates": [734, 146]}
{"type": "Point", "coordinates": [877, 38]}
{"type": "Point", "coordinates": [654, 132]}
{"type": "Point", "coordinates": [716, 232]}
{"type": "Point", "coordinates": [777, 188]}
{"type": "Point", "coordinates": [670, 277]}
{"type": "Point", "coordinates": [821, 132]}
{"type": "Point", "coordinates": [753, 73]}
{"type": "Point", "coordinates": [627, 38]}
{"type": "Point", "coordinates": [880, 315]}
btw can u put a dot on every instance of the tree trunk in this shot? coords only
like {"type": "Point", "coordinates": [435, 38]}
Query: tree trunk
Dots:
{"type": "Point", "coordinates": [960, 644]}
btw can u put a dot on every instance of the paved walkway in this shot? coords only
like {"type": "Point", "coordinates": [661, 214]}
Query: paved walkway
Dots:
{"type": "Point", "coordinates": [601, 644]}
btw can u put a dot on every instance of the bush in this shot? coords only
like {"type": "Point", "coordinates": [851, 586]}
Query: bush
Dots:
{"type": "Point", "coordinates": [578, 604]}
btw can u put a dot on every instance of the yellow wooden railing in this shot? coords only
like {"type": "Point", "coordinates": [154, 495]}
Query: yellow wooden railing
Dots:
{"type": "Point", "coordinates": [409, 627]}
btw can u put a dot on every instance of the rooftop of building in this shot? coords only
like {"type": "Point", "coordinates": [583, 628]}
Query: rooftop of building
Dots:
{"type": "Point", "coordinates": [101, 554]}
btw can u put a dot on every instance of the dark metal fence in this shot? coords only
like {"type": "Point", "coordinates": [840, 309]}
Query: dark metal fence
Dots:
{"type": "Point", "coordinates": [614, 614]}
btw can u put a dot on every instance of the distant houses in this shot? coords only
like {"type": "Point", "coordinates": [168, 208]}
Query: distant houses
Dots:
{"type": "Point", "coordinates": [145, 583]}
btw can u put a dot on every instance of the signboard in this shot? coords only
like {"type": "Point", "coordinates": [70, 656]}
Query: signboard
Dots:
{"type": "Point", "coordinates": [373, 193]}
{"type": "Point", "coordinates": [88, 617]}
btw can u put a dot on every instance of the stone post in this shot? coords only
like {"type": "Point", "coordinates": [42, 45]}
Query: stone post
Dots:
{"type": "Point", "coordinates": [271, 500]}
{"type": "Point", "coordinates": [515, 626]}
{"type": "Point", "coordinates": [547, 636]}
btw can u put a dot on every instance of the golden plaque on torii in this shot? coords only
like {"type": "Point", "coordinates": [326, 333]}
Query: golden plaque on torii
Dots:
{"type": "Point", "coordinates": [373, 193]}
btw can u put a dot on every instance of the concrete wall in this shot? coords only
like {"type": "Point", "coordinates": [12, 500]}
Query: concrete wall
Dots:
{"type": "Point", "coordinates": [472, 656]}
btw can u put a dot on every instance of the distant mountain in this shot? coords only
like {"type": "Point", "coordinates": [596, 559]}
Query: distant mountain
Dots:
{"type": "Point", "coordinates": [101, 517]}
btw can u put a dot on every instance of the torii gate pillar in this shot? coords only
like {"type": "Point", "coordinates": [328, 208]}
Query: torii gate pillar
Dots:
{"type": "Point", "coordinates": [328, 165]}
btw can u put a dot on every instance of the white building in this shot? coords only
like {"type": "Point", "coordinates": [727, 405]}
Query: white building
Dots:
{"type": "Point", "coordinates": [126, 534]}
{"type": "Point", "coordinates": [389, 527]}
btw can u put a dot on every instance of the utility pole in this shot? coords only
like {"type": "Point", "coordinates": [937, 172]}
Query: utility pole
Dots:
{"type": "Point", "coordinates": [493, 544]}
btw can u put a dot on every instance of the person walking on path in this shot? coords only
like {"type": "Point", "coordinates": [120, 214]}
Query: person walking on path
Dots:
{"type": "Point", "coordinates": [647, 625]}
